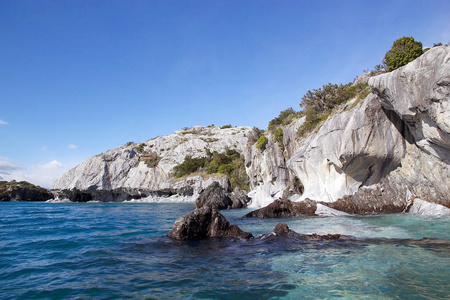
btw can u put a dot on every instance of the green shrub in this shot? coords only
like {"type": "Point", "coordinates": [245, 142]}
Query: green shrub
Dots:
{"type": "Point", "coordinates": [255, 135]}
{"type": "Point", "coordinates": [140, 148]}
{"type": "Point", "coordinates": [152, 160]}
{"type": "Point", "coordinates": [284, 118]}
{"type": "Point", "coordinates": [279, 137]}
{"type": "Point", "coordinates": [190, 165]}
{"type": "Point", "coordinates": [226, 126]}
{"type": "Point", "coordinates": [403, 51]}
{"type": "Point", "coordinates": [212, 168]}
{"type": "Point", "coordinates": [262, 143]}
{"type": "Point", "coordinates": [230, 163]}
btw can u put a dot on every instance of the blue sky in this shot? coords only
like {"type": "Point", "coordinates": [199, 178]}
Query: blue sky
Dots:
{"type": "Point", "coordinates": [80, 77]}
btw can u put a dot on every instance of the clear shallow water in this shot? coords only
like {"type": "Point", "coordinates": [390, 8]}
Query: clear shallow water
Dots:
{"type": "Point", "coordinates": [119, 251]}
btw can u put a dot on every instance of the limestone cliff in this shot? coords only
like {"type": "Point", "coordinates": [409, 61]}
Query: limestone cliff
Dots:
{"type": "Point", "coordinates": [136, 171]}
{"type": "Point", "coordinates": [392, 148]}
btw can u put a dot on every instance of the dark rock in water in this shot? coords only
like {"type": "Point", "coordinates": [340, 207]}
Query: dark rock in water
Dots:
{"type": "Point", "coordinates": [217, 197]}
{"type": "Point", "coordinates": [205, 223]}
{"type": "Point", "coordinates": [239, 199]}
{"type": "Point", "coordinates": [284, 209]}
{"type": "Point", "coordinates": [22, 191]}
{"type": "Point", "coordinates": [282, 230]}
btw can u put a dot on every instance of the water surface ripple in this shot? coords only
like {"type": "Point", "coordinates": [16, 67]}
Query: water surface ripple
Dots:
{"type": "Point", "coordinates": [119, 251]}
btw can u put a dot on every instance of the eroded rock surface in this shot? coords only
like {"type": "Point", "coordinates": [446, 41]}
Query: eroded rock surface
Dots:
{"type": "Point", "coordinates": [205, 223]}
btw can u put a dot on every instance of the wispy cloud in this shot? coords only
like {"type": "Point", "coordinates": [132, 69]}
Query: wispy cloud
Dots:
{"type": "Point", "coordinates": [72, 147]}
{"type": "Point", "coordinates": [3, 122]}
{"type": "Point", "coordinates": [6, 167]}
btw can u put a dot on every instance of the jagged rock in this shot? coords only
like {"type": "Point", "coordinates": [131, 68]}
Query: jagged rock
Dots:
{"type": "Point", "coordinates": [284, 208]}
{"type": "Point", "coordinates": [283, 230]}
{"type": "Point", "coordinates": [239, 199]}
{"type": "Point", "coordinates": [22, 191]}
{"type": "Point", "coordinates": [216, 197]}
{"type": "Point", "coordinates": [205, 223]}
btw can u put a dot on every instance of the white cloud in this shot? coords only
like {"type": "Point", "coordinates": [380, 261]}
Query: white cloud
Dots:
{"type": "Point", "coordinates": [3, 122]}
{"type": "Point", "coordinates": [41, 174]}
{"type": "Point", "coordinates": [72, 147]}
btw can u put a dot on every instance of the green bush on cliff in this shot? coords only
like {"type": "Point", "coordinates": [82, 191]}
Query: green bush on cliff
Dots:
{"type": "Point", "coordinates": [262, 143]}
{"type": "Point", "coordinates": [230, 163]}
{"type": "Point", "coordinates": [278, 134]}
{"type": "Point", "coordinates": [319, 103]}
{"type": "Point", "coordinates": [284, 118]}
{"type": "Point", "coordinates": [403, 51]}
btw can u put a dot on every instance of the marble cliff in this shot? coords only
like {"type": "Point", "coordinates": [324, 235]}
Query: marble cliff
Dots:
{"type": "Point", "coordinates": [389, 152]}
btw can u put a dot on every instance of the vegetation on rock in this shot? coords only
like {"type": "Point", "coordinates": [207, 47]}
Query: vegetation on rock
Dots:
{"type": "Point", "coordinates": [262, 142]}
{"type": "Point", "coordinates": [319, 103]}
{"type": "Point", "coordinates": [22, 191]}
{"type": "Point", "coordinates": [230, 163]}
{"type": "Point", "coordinates": [403, 51]}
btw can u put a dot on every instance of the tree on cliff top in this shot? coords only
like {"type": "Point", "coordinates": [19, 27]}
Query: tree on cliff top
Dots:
{"type": "Point", "coordinates": [403, 51]}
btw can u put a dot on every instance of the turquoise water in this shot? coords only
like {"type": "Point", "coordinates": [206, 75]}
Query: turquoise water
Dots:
{"type": "Point", "coordinates": [119, 251]}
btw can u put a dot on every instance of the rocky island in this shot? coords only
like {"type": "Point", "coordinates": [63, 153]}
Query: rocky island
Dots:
{"type": "Point", "coordinates": [384, 150]}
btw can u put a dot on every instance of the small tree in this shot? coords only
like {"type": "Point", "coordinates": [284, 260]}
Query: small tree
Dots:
{"type": "Point", "coordinates": [403, 51]}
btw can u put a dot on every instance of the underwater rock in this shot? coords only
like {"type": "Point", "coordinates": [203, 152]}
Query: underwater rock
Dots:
{"type": "Point", "coordinates": [285, 208]}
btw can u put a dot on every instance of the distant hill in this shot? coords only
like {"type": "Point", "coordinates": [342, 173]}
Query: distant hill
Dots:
{"type": "Point", "coordinates": [22, 191]}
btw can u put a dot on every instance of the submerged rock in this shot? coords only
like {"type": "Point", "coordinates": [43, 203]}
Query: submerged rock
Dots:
{"type": "Point", "coordinates": [205, 223]}
{"type": "Point", "coordinates": [283, 230]}
{"type": "Point", "coordinates": [284, 208]}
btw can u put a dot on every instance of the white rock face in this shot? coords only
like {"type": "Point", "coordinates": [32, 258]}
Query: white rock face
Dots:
{"type": "Point", "coordinates": [398, 139]}
{"type": "Point", "coordinates": [268, 172]}
{"type": "Point", "coordinates": [124, 169]}
{"type": "Point", "coordinates": [352, 149]}
{"type": "Point", "coordinates": [425, 208]}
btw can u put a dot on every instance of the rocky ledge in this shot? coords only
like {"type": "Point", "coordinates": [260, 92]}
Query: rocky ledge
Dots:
{"type": "Point", "coordinates": [22, 191]}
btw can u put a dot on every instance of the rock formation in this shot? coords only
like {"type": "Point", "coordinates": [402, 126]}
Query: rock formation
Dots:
{"type": "Point", "coordinates": [145, 171]}
{"type": "Point", "coordinates": [216, 197]}
{"type": "Point", "coordinates": [205, 223]}
{"type": "Point", "coordinates": [284, 208]}
{"type": "Point", "coordinates": [282, 230]}
{"type": "Point", "coordinates": [22, 191]}
{"type": "Point", "coordinates": [375, 155]}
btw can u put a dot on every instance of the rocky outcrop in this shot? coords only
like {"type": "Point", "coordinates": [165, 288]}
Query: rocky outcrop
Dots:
{"type": "Point", "coordinates": [216, 197]}
{"type": "Point", "coordinates": [371, 156]}
{"type": "Point", "coordinates": [205, 223]}
{"type": "Point", "coordinates": [22, 191]}
{"type": "Point", "coordinates": [391, 147]}
{"type": "Point", "coordinates": [284, 208]}
{"type": "Point", "coordinates": [145, 171]}
{"type": "Point", "coordinates": [282, 230]}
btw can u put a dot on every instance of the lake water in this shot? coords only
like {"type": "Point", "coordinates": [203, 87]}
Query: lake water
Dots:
{"type": "Point", "coordinates": [119, 251]}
